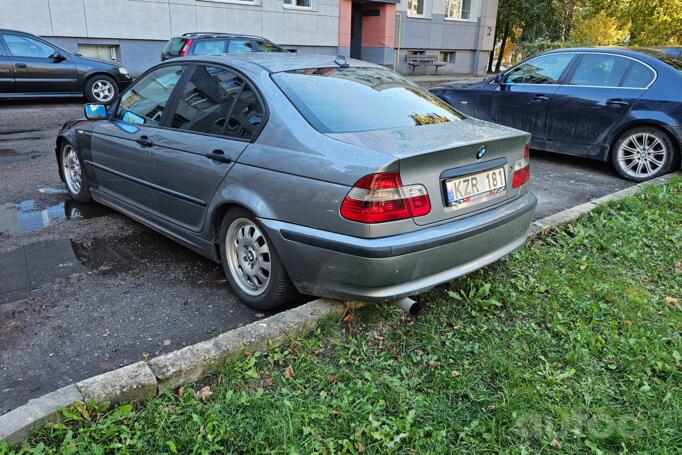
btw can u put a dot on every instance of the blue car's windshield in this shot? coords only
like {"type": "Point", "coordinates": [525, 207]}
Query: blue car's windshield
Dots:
{"type": "Point", "coordinates": [341, 100]}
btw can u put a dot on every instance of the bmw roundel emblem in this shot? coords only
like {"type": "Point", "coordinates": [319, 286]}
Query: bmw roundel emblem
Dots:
{"type": "Point", "coordinates": [481, 152]}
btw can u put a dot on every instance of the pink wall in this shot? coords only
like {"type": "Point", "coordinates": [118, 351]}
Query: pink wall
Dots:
{"type": "Point", "coordinates": [345, 7]}
{"type": "Point", "coordinates": [379, 31]}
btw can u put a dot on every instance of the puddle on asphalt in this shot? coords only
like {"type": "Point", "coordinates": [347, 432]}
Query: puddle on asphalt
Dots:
{"type": "Point", "coordinates": [52, 190]}
{"type": "Point", "coordinates": [27, 268]}
{"type": "Point", "coordinates": [10, 156]}
{"type": "Point", "coordinates": [28, 216]}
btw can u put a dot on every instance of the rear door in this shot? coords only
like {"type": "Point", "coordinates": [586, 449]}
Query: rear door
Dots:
{"type": "Point", "coordinates": [214, 117]}
{"type": "Point", "coordinates": [524, 95]}
{"type": "Point", "coordinates": [597, 95]}
{"type": "Point", "coordinates": [121, 148]}
{"type": "Point", "coordinates": [35, 69]}
{"type": "Point", "coordinates": [6, 71]}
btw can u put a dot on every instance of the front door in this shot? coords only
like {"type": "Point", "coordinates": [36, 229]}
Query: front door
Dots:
{"type": "Point", "coordinates": [215, 116]}
{"type": "Point", "coordinates": [121, 157]}
{"type": "Point", "coordinates": [37, 67]}
{"type": "Point", "coordinates": [6, 71]}
{"type": "Point", "coordinates": [596, 97]}
{"type": "Point", "coordinates": [525, 93]}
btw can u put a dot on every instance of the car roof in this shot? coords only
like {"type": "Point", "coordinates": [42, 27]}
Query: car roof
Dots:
{"type": "Point", "coordinates": [275, 62]}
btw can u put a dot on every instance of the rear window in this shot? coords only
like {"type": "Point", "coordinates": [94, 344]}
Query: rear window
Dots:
{"type": "Point", "coordinates": [341, 100]}
{"type": "Point", "coordinates": [174, 46]}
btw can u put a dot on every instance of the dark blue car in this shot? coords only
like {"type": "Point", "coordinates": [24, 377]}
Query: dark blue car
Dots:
{"type": "Point", "coordinates": [622, 105]}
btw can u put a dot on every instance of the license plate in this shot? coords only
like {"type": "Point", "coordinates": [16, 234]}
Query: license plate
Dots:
{"type": "Point", "coordinates": [476, 188]}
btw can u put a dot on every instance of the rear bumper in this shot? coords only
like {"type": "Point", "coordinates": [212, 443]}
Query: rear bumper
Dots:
{"type": "Point", "coordinates": [338, 266]}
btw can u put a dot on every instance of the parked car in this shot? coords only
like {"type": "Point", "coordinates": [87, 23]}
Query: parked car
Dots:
{"type": "Point", "coordinates": [32, 67]}
{"type": "Point", "coordinates": [305, 173]}
{"type": "Point", "coordinates": [615, 104]}
{"type": "Point", "coordinates": [208, 43]}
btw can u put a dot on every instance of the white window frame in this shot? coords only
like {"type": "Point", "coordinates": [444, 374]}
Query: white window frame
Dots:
{"type": "Point", "coordinates": [237, 2]}
{"type": "Point", "coordinates": [291, 5]}
{"type": "Point", "coordinates": [458, 16]}
{"type": "Point", "coordinates": [413, 8]}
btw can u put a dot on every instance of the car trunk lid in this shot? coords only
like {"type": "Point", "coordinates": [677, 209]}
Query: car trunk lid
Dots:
{"type": "Point", "coordinates": [431, 155]}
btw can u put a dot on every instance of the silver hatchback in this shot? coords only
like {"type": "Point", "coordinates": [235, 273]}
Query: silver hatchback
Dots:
{"type": "Point", "coordinates": [305, 174]}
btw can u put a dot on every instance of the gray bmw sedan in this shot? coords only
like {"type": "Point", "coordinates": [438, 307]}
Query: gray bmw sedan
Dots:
{"type": "Point", "coordinates": [305, 174]}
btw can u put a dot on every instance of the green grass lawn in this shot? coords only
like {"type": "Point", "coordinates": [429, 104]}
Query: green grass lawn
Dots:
{"type": "Point", "coordinates": [573, 344]}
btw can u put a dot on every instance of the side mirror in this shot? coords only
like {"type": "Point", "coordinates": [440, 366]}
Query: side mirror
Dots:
{"type": "Point", "coordinates": [95, 111]}
{"type": "Point", "coordinates": [57, 57]}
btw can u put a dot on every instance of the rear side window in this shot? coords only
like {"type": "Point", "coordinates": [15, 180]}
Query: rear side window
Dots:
{"type": "Point", "coordinates": [639, 76]}
{"type": "Point", "coordinates": [247, 115]}
{"type": "Point", "coordinates": [240, 46]}
{"type": "Point", "coordinates": [209, 47]}
{"type": "Point", "coordinates": [206, 100]}
{"type": "Point", "coordinates": [145, 102]}
{"type": "Point", "coordinates": [600, 70]}
{"type": "Point", "coordinates": [339, 100]}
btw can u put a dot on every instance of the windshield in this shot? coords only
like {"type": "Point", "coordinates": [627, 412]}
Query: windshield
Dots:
{"type": "Point", "coordinates": [341, 100]}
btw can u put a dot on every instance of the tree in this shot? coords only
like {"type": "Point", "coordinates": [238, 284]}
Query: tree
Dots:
{"type": "Point", "coordinates": [599, 30]}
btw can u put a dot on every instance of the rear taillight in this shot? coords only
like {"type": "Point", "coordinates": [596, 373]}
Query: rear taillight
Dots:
{"type": "Point", "coordinates": [378, 198]}
{"type": "Point", "coordinates": [185, 48]}
{"type": "Point", "coordinates": [521, 171]}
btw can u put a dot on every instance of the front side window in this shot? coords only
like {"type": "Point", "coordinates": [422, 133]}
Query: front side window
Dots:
{"type": "Point", "coordinates": [240, 46]}
{"type": "Point", "coordinates": [639, 76]}
{"type": "Point", "coordinates": [206, 100]}
{"type": "Point", "coordinates": [299, 3]}
{"type": "Point", "coordinates": [600, 70]}
{"type": "Point", "coordinates": [458, 9]}
{"type": "Point", "coordinates": [415, 7]}
{"type": "Point", "coordinates": [146, 101]}
{"type": "Point", "coordinates": [542, 70]}
{"type": "Point", "coordinates": [340, 100]}
{"type": "Point", "coordinates": [209, 47]}
{"type": "Point", "coordinates": [23, 46]}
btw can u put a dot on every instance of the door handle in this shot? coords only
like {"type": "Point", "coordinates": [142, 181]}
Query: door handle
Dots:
{"type": "Point", "coordinates": [617, 102]}
{"type": "Point", "coordinates": [540, 98]}
{"type": "Point", "coordinates": [20, 65]}
{"type": "Point", "coordinates": [144, 141]}
{"type": "Point", "coordinates": [219, 155]}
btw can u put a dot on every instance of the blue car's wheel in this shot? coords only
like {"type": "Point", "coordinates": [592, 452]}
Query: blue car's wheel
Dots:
{"type": "Point", "coordinates": [642, 153]}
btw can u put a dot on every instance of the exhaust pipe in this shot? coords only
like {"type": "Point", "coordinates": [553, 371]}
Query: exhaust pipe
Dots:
{"type": "Point", "coordinates": [409, 306]}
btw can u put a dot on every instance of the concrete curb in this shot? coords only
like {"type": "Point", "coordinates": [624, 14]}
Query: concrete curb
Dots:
{"type": "Point", "coordinates": [142, 380]}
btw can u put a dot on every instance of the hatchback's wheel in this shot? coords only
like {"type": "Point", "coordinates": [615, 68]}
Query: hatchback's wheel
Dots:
{"type": "Point", "coordinates": [74, 174]}
{"type": "Point", "coordinates": [251, 264]}
{"type": "Point", "coordinates": [101, 89]}
{"type": "Point", "coordinates": [642, 154]}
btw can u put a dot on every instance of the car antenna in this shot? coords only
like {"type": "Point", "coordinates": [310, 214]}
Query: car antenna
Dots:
{"type": "Point", "coordinates": [341, 61]}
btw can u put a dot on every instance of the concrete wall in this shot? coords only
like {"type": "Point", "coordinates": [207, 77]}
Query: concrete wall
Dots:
{"type": "Point", "coordinates": [141, 27]}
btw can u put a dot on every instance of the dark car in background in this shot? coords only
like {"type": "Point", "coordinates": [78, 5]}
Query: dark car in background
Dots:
{"type": "Point", "coordinates": [31, 67]}
{"type": "Point", "coordinates": [611, 104]}
{"type": "Point", "coordinates": [208, 43]}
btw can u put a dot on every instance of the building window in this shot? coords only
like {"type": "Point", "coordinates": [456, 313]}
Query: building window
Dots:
{"type": "Point", "coordinates": [458, 9]}
{"type": "Point", "coordinates": [415, 7]}
{"type": "Point", "coordinates": [99, 51]}
{"type": "Point", "coordinates": [447, 57]}
{"type": "Point", "coordinates": [298, 3]}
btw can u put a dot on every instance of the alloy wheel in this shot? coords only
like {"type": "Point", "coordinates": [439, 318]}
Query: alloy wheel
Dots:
{"type": "Point", "coordinates": [103, 91]}
{"type": "Point", "coordinates": [248, 256]}
{"type": "Point", "coordinates": [71, 167]}
{"type": "Point", "coordinates": [642, 155]}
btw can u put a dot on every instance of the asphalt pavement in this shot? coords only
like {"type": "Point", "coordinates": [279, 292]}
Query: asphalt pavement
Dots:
{"type": "Point", "coordinates": [84, 290]}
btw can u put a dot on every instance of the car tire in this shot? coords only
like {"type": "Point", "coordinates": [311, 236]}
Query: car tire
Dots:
{"type": "Point", "coordinates": [73, 173]}
{"type": "Point", "coordinates": [101, 89]}
{"type": "Point", "coordinates": [642, 154]}
{"type": "Point", "coordinates": [246, 261]}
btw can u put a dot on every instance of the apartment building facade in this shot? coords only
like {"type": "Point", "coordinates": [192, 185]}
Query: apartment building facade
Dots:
{"type": "Point", "coordinates": [458, 32]}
